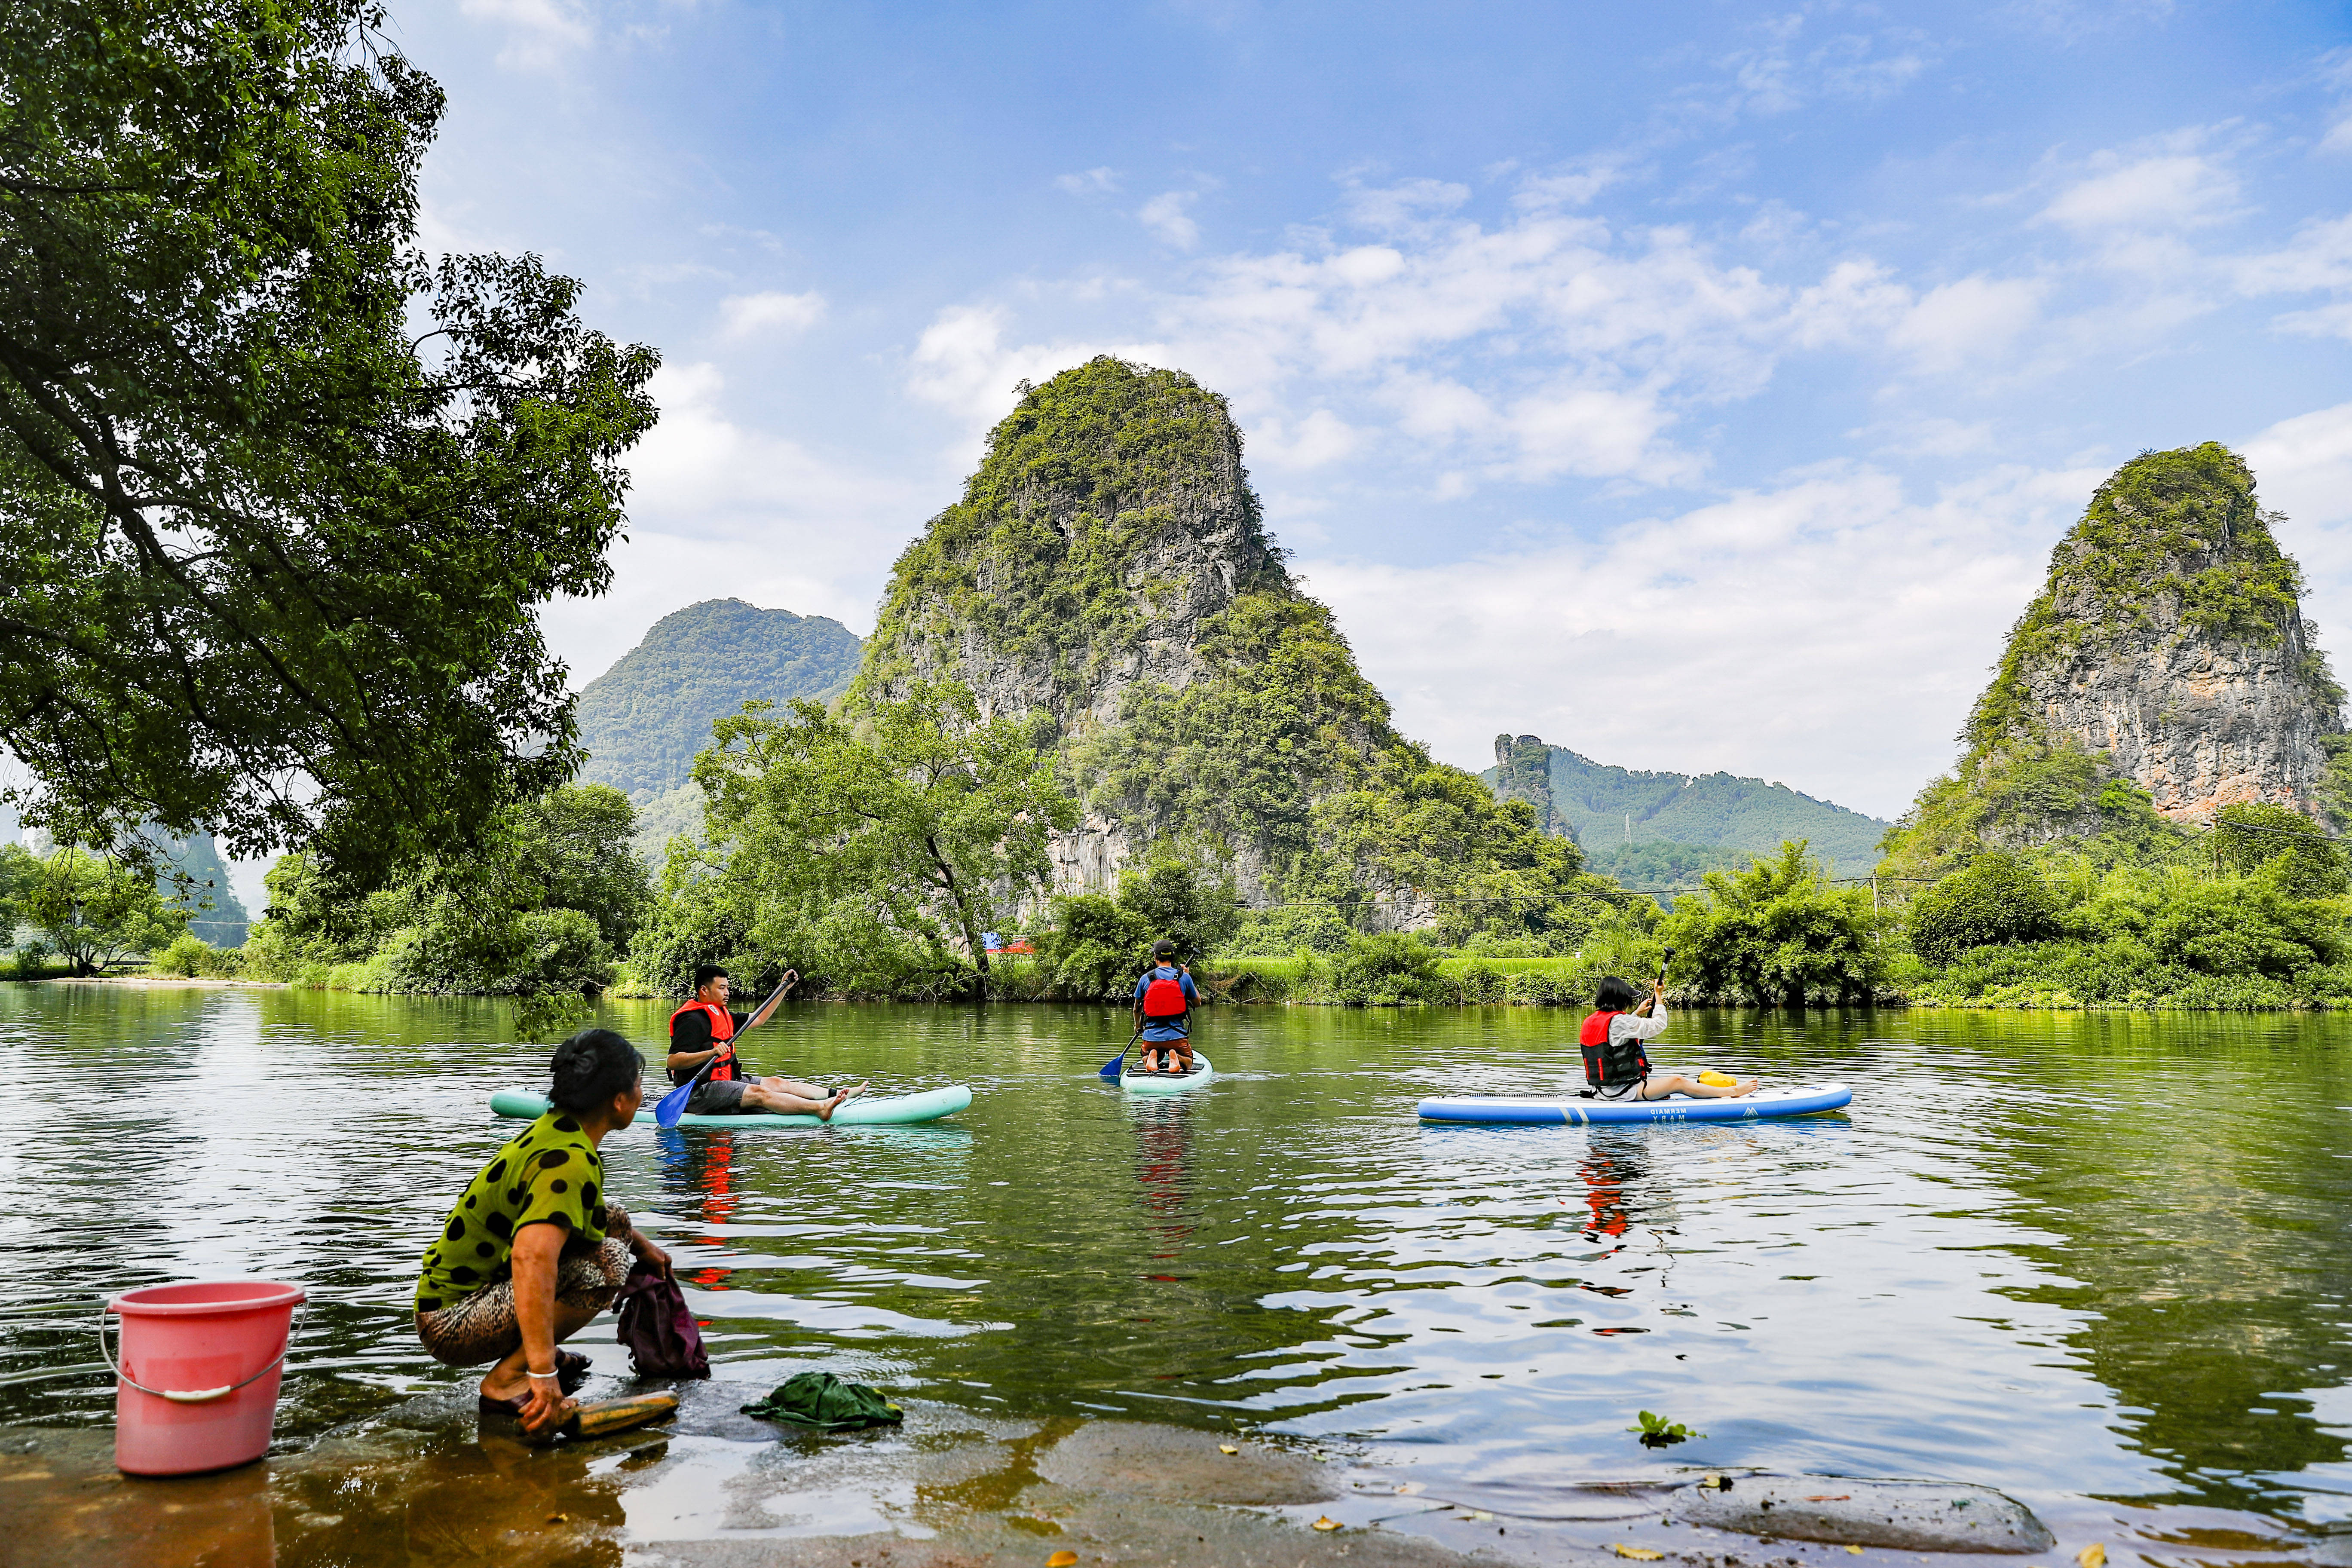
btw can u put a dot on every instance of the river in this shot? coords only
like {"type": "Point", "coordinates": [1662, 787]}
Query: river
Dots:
{"type": "Point", "coordinates": [2086, 1260]}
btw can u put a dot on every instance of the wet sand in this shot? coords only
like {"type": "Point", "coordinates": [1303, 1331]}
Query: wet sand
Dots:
{"type": "Point", "coordinates": [428, 1483]}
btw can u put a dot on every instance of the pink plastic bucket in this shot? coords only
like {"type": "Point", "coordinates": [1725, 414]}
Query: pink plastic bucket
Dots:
{"type": "Point", "coordinates": [196, 1388]}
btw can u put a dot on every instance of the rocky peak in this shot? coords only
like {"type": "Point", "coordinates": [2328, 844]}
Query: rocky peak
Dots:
{"type": "Point", "coordinates": [2169, 636]}
{"type": "Point", "coordinates": [1111, 517]}
{"type": "Point", "coordinates": [1523, 771]}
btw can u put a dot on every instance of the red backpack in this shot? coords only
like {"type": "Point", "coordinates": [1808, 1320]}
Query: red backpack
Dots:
{"type": "Point", "coordinates": [1163, 999]}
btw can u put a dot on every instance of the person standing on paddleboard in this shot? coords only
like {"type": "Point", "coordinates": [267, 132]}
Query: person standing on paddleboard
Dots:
{"type": "Point", "coordinates": [1615, 1065]}
{"type": "Point", "coordinates": [1164, 999]}
{"type": "Point", "coordinates": [704, 1029]}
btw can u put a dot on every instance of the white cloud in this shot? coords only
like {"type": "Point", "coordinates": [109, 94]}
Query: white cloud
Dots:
{"type": "Point", "coordinates": [539, 33]}
{"type": "Point", "coordinates": [1320, 438]}
{"type": "Point", "coordinates": [747, 315]}
{"type": "Point", "coordinates": [962, 363]}
{"type": "Point", "coordinates": [1834, 631]}
{"type": "Point", "coordinates": [1088, 182]}
{"type": "Point", "coordinates": [717, 509]}
{"type": "Point", "coordinates": [1167, 216]}
{"type": "Point", "coordinates": [2169, 190]}
{"type": "Point", "coordinates": [2303, 468]}
{"type": "Point", "coordinates": [1975, 318]}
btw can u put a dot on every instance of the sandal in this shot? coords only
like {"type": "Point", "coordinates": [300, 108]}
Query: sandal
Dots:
{"type": "Point", "coordinates": [571, 1370]}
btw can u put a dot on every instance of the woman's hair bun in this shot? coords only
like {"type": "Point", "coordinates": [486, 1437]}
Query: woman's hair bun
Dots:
{"type": "Point", "coordinates": [590, 1067]}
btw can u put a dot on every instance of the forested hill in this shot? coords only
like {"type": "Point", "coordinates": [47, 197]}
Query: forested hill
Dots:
{"type": "Point", "coordinates": [1603, 807]}
{"type": "Point", "coordinates": [642, 721]}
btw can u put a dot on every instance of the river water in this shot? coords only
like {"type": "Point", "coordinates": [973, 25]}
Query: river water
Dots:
{"type": "Point", "coordinates": [2070, 1256]}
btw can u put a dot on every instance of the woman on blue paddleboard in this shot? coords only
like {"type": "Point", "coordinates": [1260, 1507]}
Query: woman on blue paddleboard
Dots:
{"type": "Point", "coordinates": [1615, 1065]}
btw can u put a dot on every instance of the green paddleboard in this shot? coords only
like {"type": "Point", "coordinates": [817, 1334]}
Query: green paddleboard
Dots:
{"type": "Point", "coordinates": [866, 1110]}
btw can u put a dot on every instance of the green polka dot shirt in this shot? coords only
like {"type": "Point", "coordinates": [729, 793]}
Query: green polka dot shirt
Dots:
{"type": "Point", "coordinates": [549, 1175]}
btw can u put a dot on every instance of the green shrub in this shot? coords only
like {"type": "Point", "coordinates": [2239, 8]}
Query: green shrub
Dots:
{"type": "Point", "coordinates": [1280, 932]}
{"type": "Point", "coordinates": [1481, 982]}
{"type": "Point", "coordinates": [1996, 898]}
{"type": "Point", "coordinates": [1777, 934]}
{"type": "Point", "coordinates": [188, 956]}
{"type": "Point", "coordinates": [1388, 969]}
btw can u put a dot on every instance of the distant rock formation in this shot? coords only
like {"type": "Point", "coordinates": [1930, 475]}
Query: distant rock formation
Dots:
{"type": "Point", "coordinates": [1605, 809]}
{"type": "Point", "coordinates": [1522, 771]}
{"type": "Point", "coordinates": [2170, 638]}
{"type": "Point", "coordinates": [642, 721]}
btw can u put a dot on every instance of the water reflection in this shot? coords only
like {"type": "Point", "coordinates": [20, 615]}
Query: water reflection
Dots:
{"type": "Point", "coordinates": [2069, 1257]}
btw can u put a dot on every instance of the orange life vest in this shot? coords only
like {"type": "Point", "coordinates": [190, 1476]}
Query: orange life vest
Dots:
{"type": "Point", "coordinates": [1607, 1065]}
{"type": "Point", "coordinates": [722, 1028]}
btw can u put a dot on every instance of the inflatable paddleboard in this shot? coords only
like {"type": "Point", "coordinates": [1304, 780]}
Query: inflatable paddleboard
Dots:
{"type": "Point", "coordinates": [866, 1110]}
{"type": "Point", "coordinates": [1135, 1080]}
{"type": "Point", "coordinates": [1571, 1110]}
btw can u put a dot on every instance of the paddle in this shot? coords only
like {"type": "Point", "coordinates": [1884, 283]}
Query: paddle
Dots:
{"type": "Point", "coordinates": [1112, 1068]}
{"type": "Point", "coordinates": [673, 1104]}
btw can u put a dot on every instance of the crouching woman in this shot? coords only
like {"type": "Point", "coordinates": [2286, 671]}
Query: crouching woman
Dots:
{"type": "Point", "coordinates": [534, 1250]}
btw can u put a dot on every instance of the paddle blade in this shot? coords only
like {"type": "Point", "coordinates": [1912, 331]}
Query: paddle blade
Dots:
{"type": "Point", "coordinates": [673, 1105]}
{"type": "Point", "coordinates": [1110, 1068]}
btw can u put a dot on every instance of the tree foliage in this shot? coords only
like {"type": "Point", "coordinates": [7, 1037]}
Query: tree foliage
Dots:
{"type": "Point", "coordinates": [279, 499]}
{"type": "Point", "coordinates": [2307, 863]}
{"type": "Point", "coordinates": [867, 851]}
{"type": "Point", "coordinates": [552, 893]}
{"type": "Point", "coordinates": [1777, 934]}
{"type": "Point", "coordinates": [96, 912]}
{"type": "Point", "coordinates": [1997, 898]}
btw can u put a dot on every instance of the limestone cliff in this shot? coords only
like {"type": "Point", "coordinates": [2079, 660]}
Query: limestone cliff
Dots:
{"type": "Point", "coordinates": [2167, 650]}
{"type": "Point", "coordinates": [1107, 568]}
{"type": "Point", "coordinates": [1522, 771]}
{"type": "Point", "coordinates": [2169, 638]}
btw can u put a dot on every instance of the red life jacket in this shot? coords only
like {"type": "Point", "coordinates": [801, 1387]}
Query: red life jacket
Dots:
{"type": "Point", "coordinates": [1163, 999]}
{"type": "Point", "coordinates": [722, 1028]}
{"type": "Point", "coordinates": [1607, 1065]}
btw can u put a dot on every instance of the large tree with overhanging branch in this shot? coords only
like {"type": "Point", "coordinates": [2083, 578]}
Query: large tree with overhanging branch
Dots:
{"type": "Point", "coordinates": [279, 495]}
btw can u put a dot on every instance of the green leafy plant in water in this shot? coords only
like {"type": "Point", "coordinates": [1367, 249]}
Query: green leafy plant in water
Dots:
{"type": "Point", "coordinates": [1657, 1432]}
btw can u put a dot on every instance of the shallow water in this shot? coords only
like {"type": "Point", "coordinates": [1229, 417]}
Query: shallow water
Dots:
{"type": "Point", "coordinates": [2072, 1258]}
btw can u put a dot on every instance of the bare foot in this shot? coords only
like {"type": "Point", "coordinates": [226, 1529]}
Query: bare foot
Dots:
{"type": "Point", "coordinates": [1748, 1087]}
{"type": "Point", "coordinates": [825, 1112]}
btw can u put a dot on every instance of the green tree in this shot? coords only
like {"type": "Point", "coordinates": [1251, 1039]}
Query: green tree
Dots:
{"type": "Point", "coordinates": [1996, 898]}
{"type": "Point", "coordinates": [889, 844]}
{"type": "Point", "coordinates": [2307, 863]}
{"type": "Point", "coordinates": [95, 912]}
{"type": "Point", "coordinates": [551, 892]}
{"type": "Point", "coordinates": [1094, 947]}
{"type": "Point", "coordinates": [279, 499]}
{"type": "Point", "coordinates": [1777, 932]}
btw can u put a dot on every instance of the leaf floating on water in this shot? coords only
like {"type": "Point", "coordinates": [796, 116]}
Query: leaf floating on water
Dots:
{"type": "Point", "coordinates": [1062, 1560]}
{"type": "Point", "coordinates": [1327, 1524]}
{"type": "Point", "coordinates": [2092, 1556]}
{"type": "Point", "coordinates": [1638, 1553]}
{"type": "Point", "coordinates": [1228, 1449]}
{"type": "Point", "coordinates": [1855, 1550]}
{"type": "Point", "coordinates": [1841, 1496]}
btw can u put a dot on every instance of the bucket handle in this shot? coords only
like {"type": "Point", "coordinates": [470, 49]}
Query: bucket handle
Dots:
{"type": "Point", "coordinates": [198, 1395]}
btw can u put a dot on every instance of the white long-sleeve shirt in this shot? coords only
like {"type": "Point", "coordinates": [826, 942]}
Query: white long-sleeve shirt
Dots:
{"type": "Point", "coordinates": [1633, 1027]}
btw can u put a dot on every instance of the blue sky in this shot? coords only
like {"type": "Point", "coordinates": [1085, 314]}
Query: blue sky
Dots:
{"type": "Point", "coordinates": [1700, 385]}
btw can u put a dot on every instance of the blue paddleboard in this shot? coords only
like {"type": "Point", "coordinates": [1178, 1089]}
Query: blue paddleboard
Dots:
{"type": "Point", "coordinates": [1572, 1110]}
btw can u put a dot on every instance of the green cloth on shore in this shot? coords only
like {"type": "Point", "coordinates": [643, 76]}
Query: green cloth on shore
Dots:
{"type": "Point", "coordinates": [823, 1402]}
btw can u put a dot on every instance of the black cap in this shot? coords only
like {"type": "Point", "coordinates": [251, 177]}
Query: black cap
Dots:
{"type": "Point", "coordinates": [1163, 948]}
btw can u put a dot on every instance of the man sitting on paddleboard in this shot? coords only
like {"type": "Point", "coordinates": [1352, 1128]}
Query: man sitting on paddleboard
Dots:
{"type": "Point", "coordinates": [1163, 1012]}
{"type": "Point", "coordinates": [1616, 1067]}
{"type": "Point", "coordinates": [704, 1028]}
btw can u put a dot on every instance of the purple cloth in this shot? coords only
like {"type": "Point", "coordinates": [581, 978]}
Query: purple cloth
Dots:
{"type": "Point", "coordinates": [656, 1327]}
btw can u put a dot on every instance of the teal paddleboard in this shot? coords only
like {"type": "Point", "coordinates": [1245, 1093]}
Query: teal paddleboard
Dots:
{"type": "Point", "coordinates": [864, 1112]}
{"type": "Point", "coordinates": [1135, 1080]}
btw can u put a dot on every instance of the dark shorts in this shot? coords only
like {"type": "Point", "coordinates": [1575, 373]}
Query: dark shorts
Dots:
{"type": "Point", "coordinates": [718, 1097]}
